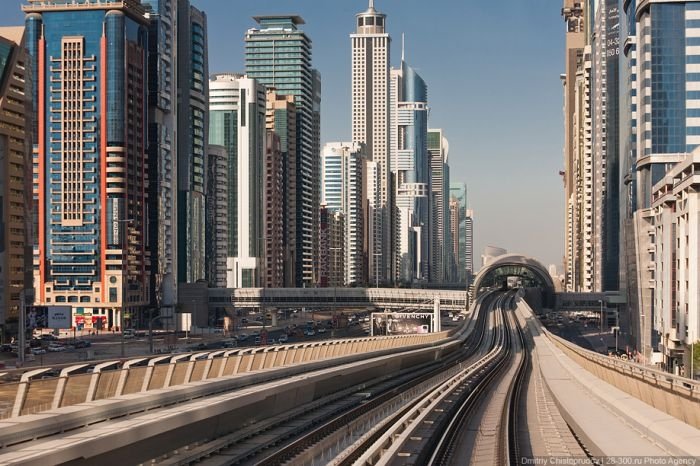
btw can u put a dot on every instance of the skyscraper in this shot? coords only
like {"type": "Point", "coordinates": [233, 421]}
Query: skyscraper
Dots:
{"type": "Point", "coordinates": [162, 149]}
{"type": "Point", "coordinates": [469, 245]}
{"type": "Point", "coordinates": [574, 14]}
{"type": "Point", "coordinates": [16, 206]}
{"type": "Point", "coordinates": [216, 247]}
{"type": "Point", "coordinates": [278, 55]}
{"type": "Point", "coordinates": [192, 140]}
{"type": "Point", "coordinates": [438, 150]}
{"type": "Point", "coordinates": [237, 121]}
{"type": "Point", "coordinates": [370, 126]}
{"type": "Point", "coordinates": [91, 62]}
{"type": "Point", "coordinates": [281, 119]}
{"type": "Point", "coordinates": [273, 213]}
{"type": "Point", "coordinates": [342, 175]}
{"type": "Point", "coordinates": [411, 165]}
{"type": "Point", "coordinates": [458, 194]}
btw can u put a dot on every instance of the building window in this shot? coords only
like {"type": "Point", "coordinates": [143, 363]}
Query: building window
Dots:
{"type": "Point", "coordinates": [112, 295]}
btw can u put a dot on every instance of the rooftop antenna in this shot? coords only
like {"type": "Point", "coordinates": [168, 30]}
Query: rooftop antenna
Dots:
{"type": "Point", "coordinates": [371, 4]}
{"type": "Point", "coordinates": [402, 46]}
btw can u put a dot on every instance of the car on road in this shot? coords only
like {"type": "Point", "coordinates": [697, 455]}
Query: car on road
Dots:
{"type": "Point", "coordinates": [48, 337]}
{"type": "Point", "coordinates": [309, 332]}
{"type": "Point", "coordinates": [82, 344]}
{"type": "Point", "coordinates": [53, 348]}
{"type": "Point", "coordinates": [321, 330]}
{"type": "Point", "coordinates": [283, 338]}
{"type": "Point", "coordinates": [242, 337]}
{"type": "Point", "coordinates": [38, 351]}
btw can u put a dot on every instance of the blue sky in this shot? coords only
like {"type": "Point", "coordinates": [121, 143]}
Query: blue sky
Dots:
{"type": "Point", "coordinates": [492, 70]}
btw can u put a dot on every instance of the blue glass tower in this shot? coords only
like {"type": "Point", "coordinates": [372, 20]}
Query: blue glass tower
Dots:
{"type": "Point", "coordinates": [91, 61]}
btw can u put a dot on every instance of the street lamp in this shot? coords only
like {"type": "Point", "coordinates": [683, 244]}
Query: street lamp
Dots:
{"type": "Point", "coordinates": [125, 244]}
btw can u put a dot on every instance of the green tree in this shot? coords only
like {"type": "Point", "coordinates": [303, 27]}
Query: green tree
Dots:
{"type": "Point", "coordinates": [694, 352]}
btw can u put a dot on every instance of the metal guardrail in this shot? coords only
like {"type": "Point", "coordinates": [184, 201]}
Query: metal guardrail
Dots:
{"type": "Point", "coordinates": [109, 379]}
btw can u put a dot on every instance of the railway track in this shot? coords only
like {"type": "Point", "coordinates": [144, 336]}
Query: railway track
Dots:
{"type": "Point", "coordinates": [482, 400]}
{"type": "Point", "coordinates": [284, 439]}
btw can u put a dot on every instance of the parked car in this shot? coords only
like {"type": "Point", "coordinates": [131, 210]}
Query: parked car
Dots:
{"type": "Point", "coordinates": [82, 344]}
{"type": "Point", "coordinates": [242, 337]}
{"type": "Point", "coordinates": [309, 332]}
{"type": "Point", "coordinates": [321, 330]}
{"type": "Point", "coordinates": [283, 338]}
{"type": "Point", "coordinates": [38, 351]}
{"type": "Point", "coordinates": [129, 333]}
{"type": "Point", "coordinates": [56, 348]}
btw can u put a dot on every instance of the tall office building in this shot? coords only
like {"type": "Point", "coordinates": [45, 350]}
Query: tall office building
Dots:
{"type": "Point", "coordinates": [281, 119]}
{"type": "Point", "coordinates": [629, 285]}
{"type": "Point", "coordinates": [668, 130]}
{"type": "Point", "coordinates": [16, 206]}
{"type": "Point", "coordinates": [574, 14]}
{"type": "Point", "coordinates": [453, 245]}
{"type": "Point", "coordinates": [216, 247]}
{"type": "Point", "coordinates": [162, 145]}
{"type": "Point", "coordinates": [91, 62]}
{"type": "Point", "coordinates": [342, 183]}
{"type": "Point", "coordinates": [438, 150]}
{"type": "Point", "coordinates": [278, 55]}
{"type": "Point", "coordinates": [331, 248]}
{"type": "Point", "coordinates": [370, 126]}
{"type": "Point", "coordinates": [192, 140]}
{"type": "Point", "coordinates": [237, 121]}
{"type": "Point", "coordinates": [411, 164]}
{"type": "Point", "coordinates": [273, 213]}
{"type": "Point", "coordinates": [458, 194]}
{"type": "Point", "coordinates": [469, 245]}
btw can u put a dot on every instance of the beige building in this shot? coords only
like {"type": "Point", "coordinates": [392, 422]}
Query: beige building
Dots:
{"type": "Point", "coordinates": [273, 221]}
{"type": "Point", "coordinates": [675, 261]}
{"type": "Point", "coordinates": [15, 168]}
{"type": "Point", "coordinates": [281, 117]}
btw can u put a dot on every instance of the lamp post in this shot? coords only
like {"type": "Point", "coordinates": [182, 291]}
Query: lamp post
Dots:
{"type": "Point", "coordinates": [125, 244]}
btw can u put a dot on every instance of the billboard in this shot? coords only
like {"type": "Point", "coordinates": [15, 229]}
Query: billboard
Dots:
{"type": "Point", "coordinates": [401, 323]}
{"type": "Point", "coordinates": [55, 317]}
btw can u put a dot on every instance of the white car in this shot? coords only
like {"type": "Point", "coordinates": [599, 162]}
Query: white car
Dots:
{"type": "Point", "coordinates": [56, 348]}
{"type": "Point", "coordinates": [322, 330]}
{"type": "Point", "coordinates": [283, 338]}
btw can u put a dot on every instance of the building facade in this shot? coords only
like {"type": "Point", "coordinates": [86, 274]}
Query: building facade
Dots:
{"type": "Point", "coordinates": [343, 168]}
{"type": "Point", "coordinates": [676, 210]}
{"type": "Point", "coordinates": [216, 247]}
{"type": "Point", "coordinates": [91, 181]}
{"type": "Point", "coordinates": [162, 147]}
{"type": "Point", "coordinates": [410, 163]}
{"type": "Point", "coordinates": [370, 126]}
{"type": "Point", "coordinates": [278, 55]}
{"type": "Point", "coordinates": [281, 119]}
{"type": "Point", "coordinates": [273, 213]}
{"type": "Point", "coordinates": [16, 204]}
{"type": "Point", "coordinates": [458, 220]}
{"type": "Point", "coordinates": [438, 151]}
{"type": "Point", "coordinates": [192, 140]}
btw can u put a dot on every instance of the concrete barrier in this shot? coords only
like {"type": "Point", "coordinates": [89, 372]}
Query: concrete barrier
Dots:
{"type": "Point", "coordinates": [108, 379]}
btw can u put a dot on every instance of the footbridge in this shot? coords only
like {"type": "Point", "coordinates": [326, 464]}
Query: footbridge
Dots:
{"type": "Point", "coordinates": [325, 298]}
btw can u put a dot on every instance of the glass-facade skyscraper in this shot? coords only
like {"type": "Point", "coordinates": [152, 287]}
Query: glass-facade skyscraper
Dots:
{"type": "Point", "coordinates": [410, 164]}
{"type": "Point", "coordinates": [91, 62]}
{"type": "Point", "coordinates": [278, 55]}
{"type": "Point", "coordinates": [192, 140]}
{"type": "Point", "coordinates": [438, 151]}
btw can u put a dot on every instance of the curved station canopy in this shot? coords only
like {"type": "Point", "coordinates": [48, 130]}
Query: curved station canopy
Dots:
{"type": "Point", "coordinates": [529, 272]}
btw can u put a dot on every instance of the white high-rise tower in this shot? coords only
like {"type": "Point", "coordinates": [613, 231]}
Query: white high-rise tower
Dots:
{"type": "Point", "coordinates": [370, 126]}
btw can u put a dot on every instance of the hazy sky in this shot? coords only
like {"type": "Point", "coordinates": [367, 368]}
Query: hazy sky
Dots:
{"type": "Point", "coordinates": [492, 70]}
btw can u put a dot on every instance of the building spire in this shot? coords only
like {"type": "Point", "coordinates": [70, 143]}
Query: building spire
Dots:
{"type": "Point", "coordinates": [402, 46]}
{"type": "Point", "coordinates": [371, 4]}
